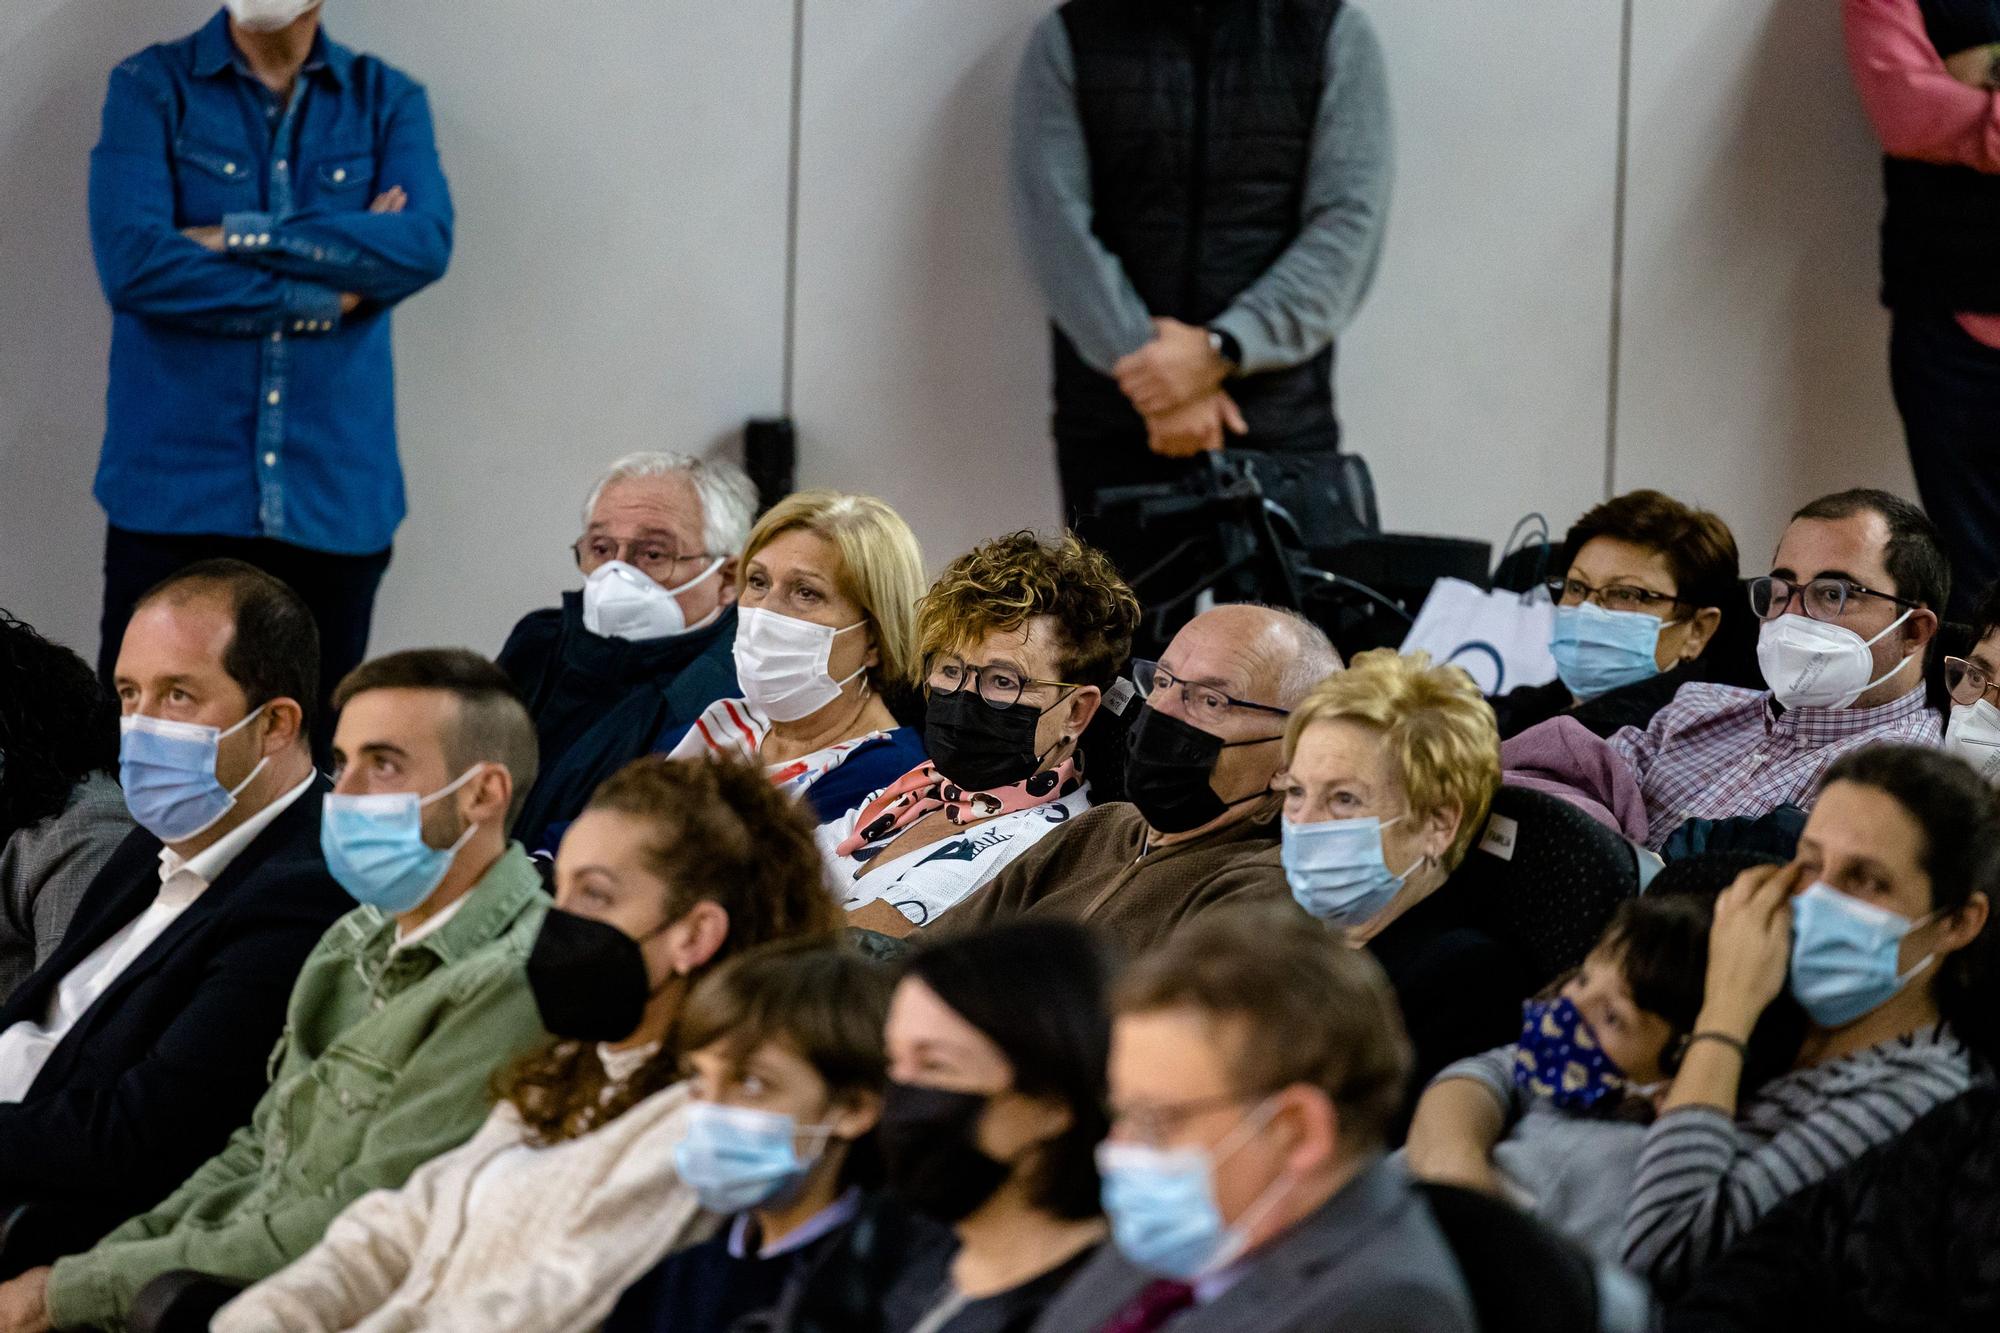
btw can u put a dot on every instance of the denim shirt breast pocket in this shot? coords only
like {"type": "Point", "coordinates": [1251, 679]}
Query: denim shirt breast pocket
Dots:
{"type": "Point", "coordinates": [211, 181]}
{"type": "Point", "coordinates": [341, 180]}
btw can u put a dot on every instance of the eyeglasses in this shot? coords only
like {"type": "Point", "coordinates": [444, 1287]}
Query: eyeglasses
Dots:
{"type": "Point", "coordinates": [656, 558]}
{"type": "Point", "coordinates": [1967, 682]}
{"type": "Point", "coordinates": [997, 686]}
{"type": "Point", "coordinates": [1159, 1122]}
{"type": "Point", "coordinates": [1203, 703]}
{"type": "Point", "coordinates": [1821, 599]}
{"type": "Point", "coordinates": [1616, 597]}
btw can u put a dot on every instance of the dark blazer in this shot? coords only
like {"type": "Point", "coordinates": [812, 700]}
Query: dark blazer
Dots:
{"type": "Point", "coordinates": [168, 1062]}
{"type": "Point", "coordinates": [1371, 1260]}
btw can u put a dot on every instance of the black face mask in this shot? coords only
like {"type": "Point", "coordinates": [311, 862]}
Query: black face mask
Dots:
{"type": "Point", "coordinates": [1168, 764]}
{"type": "Point", "coordinates": [978, 747]}
{"type": "Point", "coordinates": [588, 978]}
{"type": "Point", "coordinates": [930, 1153]}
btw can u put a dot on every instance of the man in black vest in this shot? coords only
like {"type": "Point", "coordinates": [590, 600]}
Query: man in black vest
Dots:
{"type": "Point", "coordinates": [1201, 188]}
{"type": "Point", "coordinates": [1927, 71]}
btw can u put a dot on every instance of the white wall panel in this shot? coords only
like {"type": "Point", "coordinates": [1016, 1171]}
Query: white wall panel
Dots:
{"type": "Point", "coordinates": [1475, 380]}
{"type": "Point", "coordinates": [922, 349]}
{"type": "Point", "coordinates": [1755, 362]}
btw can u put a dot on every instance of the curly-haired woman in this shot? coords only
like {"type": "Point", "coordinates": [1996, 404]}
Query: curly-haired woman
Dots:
{"type": "Point", "coordinates": [1020, 637]}
{"type": "Point", "coordinates": [61, 812]}
{"type": "Point", "coordinates": [569, 1193]}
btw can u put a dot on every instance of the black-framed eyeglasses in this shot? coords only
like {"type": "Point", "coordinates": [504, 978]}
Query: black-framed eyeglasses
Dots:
{"type": "Point", "coordinates": [1968, 682]}
{"type": "Point", "coordinates": [1820, 599]}
{"type": "Point", "coordinates": [658, 559]}
{"type": "Point", "coordinates": [1612, 597]}
{"type": "Point", "coordinates": [997, 686]}
{"type": "Point", "coordinates": [1203, 703]}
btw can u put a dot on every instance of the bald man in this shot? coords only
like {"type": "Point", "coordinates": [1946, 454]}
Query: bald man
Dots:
{"type": "Point", "coordinates": [1200, 829]}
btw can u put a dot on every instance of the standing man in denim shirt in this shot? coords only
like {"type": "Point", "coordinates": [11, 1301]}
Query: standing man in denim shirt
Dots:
{"type": "Point", "coordinates": [259, 201]}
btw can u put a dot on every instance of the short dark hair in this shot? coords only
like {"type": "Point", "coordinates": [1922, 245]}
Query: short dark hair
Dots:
{"type": "Point", "coordinates": [491, 725]}
{"type": "Point", "coordinates": [58, 725]}
{"type": "Point", "coordinates": [1960, 818]}
{"type": "Point", "coordinates": [1915, 555]}
{"type": "Point", "coordinates": [1698, 547]}
{"type": "Point", "coordinates": [274, 652]}
{"type": "Point", "coordinates": [1307, 1009]}
{"type": "Point", "coordinates": [1038, 991]}
{"type": "Point", "coordinates": [1661, 944]}
{"type": "Point", "coordinates": [1985, 615]}
{"type": "Point", "coordinates": [823, 999]}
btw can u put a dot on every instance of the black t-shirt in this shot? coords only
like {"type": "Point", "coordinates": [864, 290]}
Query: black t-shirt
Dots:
{"type": "Point", "coordinates": [928, 1283]}
{"type": "Point", "coordinates": [1459, 986]}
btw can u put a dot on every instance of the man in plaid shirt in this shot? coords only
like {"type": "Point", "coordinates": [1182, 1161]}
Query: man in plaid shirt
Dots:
{"type": "Point", "coordinates": [1867, 572]}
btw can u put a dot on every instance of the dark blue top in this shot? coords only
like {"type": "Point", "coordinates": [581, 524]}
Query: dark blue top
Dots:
{"type": "Point", "coordinates": [599, 702]}
{"type": "Point", "coordinates": [869, 769]}
{"type": "Point", "coordinates": [242, 402]}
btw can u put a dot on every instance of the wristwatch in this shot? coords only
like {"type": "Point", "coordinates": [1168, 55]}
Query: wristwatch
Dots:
{"type": "Point", "coordinates": [1224, 345]}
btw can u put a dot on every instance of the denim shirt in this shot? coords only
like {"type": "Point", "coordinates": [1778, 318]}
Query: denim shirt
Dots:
{"type": "Point", "coordinates": [242, 402]}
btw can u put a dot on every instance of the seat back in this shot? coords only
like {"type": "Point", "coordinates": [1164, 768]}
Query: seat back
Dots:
{"type": "Point", "coordinates": [1520, 1274]}
{"type": "Point", "coordinates": [1551, 877]}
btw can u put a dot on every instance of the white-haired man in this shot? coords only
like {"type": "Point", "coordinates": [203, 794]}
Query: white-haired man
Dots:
{"type": "Point", "coordinates": [626, 663]}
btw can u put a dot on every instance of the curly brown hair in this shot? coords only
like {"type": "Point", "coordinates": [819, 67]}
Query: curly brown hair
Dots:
{"type": "Point", "coordinates": [999, 586]}
{"type": "Point", "coordinates": [723, 834]}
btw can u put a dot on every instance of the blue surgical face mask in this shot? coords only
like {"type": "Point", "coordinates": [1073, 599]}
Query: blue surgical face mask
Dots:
{"type": "Point", "coordinates": [1558, 1058]}
{"type": "Point", "coordinates": [1598, 651]}
{"type": "Point", "coordinates": [375, 848]}
{"type": "Point", "coordinates": [1161, 1203]}
{"type": "Point", "coordinates": [1845, 955]}
{"type": "Point", "coordinates": [737, 1157]}
{"type": "Point", "coordinates": [1336, 870]}
{"type": "Point", "coordinates": [168, 772]}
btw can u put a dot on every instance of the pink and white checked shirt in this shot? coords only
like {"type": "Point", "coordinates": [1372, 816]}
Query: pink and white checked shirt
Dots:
{"type": "Point", "coordinates": [1717, 751]}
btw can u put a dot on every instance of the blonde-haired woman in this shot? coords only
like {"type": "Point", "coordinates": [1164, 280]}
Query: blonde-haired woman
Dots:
{"type": "Point", "coordinates": [1390, 771]}
{"type": "Point", "coordinates": [826, 629]}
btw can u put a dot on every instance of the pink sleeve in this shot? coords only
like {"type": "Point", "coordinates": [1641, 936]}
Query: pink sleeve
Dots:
{"type": "Point", "coordinates": [1918, 110]}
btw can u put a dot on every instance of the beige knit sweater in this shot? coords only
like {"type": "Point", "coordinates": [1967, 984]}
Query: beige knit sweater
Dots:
{"type": "Point", "coordinates": [558, 1233]}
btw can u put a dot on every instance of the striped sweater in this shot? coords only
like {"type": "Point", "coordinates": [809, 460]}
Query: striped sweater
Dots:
{"type": "Point", "coordinates": [1705, 1179]}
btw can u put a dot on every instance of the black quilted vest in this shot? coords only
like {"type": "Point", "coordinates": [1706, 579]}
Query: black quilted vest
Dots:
{"type": "Point", "coordinates": [1941, 231]}
{"type": "Point", "coordinates": [1198, 116]}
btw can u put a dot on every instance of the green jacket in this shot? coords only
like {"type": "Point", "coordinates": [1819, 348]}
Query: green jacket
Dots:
{"type": "Point", "coordinates": [385, 1063]}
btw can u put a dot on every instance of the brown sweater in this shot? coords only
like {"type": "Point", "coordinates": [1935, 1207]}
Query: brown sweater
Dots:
{"type": "Point", "coordinates": [1097, 870]}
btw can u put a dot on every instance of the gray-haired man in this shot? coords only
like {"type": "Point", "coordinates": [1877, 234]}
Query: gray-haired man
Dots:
{"type": "Point", "coordinates": [626, 663]}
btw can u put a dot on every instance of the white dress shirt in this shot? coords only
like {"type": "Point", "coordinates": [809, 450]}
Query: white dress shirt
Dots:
{"type": "Point", "coordinates": [26, 1046]}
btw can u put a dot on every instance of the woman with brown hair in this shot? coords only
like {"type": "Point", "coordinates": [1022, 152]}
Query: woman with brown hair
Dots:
{"type": "Point", "coordinates": [569, 1192]}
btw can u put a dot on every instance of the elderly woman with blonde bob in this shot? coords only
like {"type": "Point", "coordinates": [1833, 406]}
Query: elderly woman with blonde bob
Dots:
{"type": "Point", "coordinates": [1020, 638]}
{"type": "Point", "coordinates": [1390, 771]}
{"type": "Point", "coordinates": [826, 636]}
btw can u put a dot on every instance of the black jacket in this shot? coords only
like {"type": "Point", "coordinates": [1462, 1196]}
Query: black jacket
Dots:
{"type": "Point", "coordinates": [170, 1060]}
{"type": "Point", "coordinates": [599, 703]}
{"type": "Point", "coordinates": [1907, 1238]}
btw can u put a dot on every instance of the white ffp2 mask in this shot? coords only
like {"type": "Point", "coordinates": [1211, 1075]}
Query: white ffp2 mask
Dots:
{"type": "Point", "coordinates": [1811, 664]}
{"type": "Point", "coordinates": [621, 601]}
{"type": "Point", "coordinates": [268, 15]}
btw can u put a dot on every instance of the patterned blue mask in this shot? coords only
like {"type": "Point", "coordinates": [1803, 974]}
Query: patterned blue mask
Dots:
{"type": "Point", "coordinates": [1558, 1057]}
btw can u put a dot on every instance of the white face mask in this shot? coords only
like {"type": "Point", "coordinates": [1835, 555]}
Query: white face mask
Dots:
{"type": "Point", "coordinates": [781, 663]}
{"type": "Point", "coordinates": [1974, 736]}
{"type": "Point", "coordinates": [621, 602]}
{"type": "Point", "coordinates": [268, 15]}
{"type": "Point", "coordinates": [1811, 664]}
